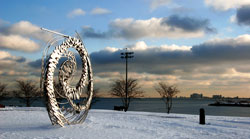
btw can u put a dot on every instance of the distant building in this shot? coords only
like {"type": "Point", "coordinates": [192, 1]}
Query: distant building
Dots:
{"type": "Point", "coordinates": [182, 97]}
{"type": "Point", "coordinates": [217, 96]}
{"type": "Point", "coordinates": [236, 97]}
{"type": "Point", "coordinates": [196, 95]}
{"type": "Point", "coordinates": [206, 97]}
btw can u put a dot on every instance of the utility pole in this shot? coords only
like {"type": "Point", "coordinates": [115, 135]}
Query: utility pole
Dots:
{"type": "Point", "coordinates": [126, 55]}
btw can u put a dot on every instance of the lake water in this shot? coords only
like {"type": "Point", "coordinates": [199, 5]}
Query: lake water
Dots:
{"type": "Point", "coordinates": [183, 106]}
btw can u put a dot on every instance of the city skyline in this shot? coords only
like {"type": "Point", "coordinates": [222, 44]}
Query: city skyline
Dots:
{"type": "Point", "coordinates": [199, 46]}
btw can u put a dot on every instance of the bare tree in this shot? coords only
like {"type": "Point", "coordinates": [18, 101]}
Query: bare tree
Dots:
{"type": "Point", "coordinates": [3, 93]}
{"type": "Point", "coordinates": [118, 89]}
{"type": "Point", "coordinates": [167, 92]}
{"type": "Point", "coordinates": [28, 92]}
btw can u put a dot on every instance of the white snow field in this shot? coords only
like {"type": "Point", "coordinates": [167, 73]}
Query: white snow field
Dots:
{"type": "Point", "coordinates": [34, 123]}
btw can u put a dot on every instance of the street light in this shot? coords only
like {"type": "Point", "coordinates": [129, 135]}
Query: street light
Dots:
{"type": "Point", "coordinates": [126, 55]}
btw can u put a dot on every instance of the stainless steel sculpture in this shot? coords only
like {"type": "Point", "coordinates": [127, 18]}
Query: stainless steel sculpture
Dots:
{"type": "Point", "coordinates": [75, 108]}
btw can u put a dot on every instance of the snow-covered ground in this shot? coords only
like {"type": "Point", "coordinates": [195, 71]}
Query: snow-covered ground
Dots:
{"type": "Point", "coordinates": [27, 123]}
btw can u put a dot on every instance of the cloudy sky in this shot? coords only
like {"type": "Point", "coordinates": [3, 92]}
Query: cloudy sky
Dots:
{"type": "Point", "coordinates": [200, 46]}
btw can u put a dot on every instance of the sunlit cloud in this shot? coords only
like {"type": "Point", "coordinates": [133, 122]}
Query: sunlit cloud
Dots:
{"type": "Point", "coordinates": [169, 27]}
{"type": "Point", "coordinates": [223, 5]}
{"type": "Point", "coordinates": [5, 55]}
{"type": "Point", "coordinates": [22, 36]}
{"type": "Point", "coordinates": [158, 3]}
{"type": "Point", "coordinates": [100, 11]}
{"type": "Point", "coordinates": [26, 29]}
{"type": "Point", "coordinates": [16, 73]}
{"type": "Point", "coordinates": [6, 59]}
{"type": "Point", "coordinates": [19, 43]}
{"type": "Point", "coordinates": [76, 12]}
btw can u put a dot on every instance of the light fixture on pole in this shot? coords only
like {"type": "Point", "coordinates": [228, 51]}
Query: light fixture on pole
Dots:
{"type": "Point", "coordinates": [127, 55]}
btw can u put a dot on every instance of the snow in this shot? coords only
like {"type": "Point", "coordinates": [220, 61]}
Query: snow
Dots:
{"type": "Point", "coordinates": [34, 123]}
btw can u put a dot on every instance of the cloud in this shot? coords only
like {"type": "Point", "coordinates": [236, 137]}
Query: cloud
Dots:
{"type": "Point", "coordinates": [15, 73]}
{"type": "Point", "coordinates": [158, 3]}
{"type": "Point", "coordinates": [220, 64]}
{"type": "Point", "coordinates": [89, 32]}
{"type": "Point", "coordinates": [19, 43]}
{"type": "Point", "coordinates": [171, 59]}
{"type": "Point", "coordinates": [20, 59]}
{"type": "Point", "coordinates": [142, 46]}
{"type": "Point", "coordinates": [35, 64]}
{"type": "Point", "coordinates": [187, 23]}
{"type": "Point", "coordinates": [22, 36]}
{"type": "Point", "coordinates": [145, 58]}
{"type": "Point", "coordinates": [15, 67]}
{"type": "Point", "coordinates": [27, 29]}
{"type": "Point", "coordinates": [76, 12]}
{"type": "Point", "coordinates": [242, 15]}
{"type": "Point", "coordinates": [7, 60]}
{"type": "Point", "coordinates": [224, 5]}
{"type": "Point", "coordinates": [224, 50]}
{"type": "Point", "coordinates": [100, 11]}
{"type": "Point", "coordinates": [4, 55]}
{"type": "Point", "coordinates": [3, 22]}
{"type": "Point", "coordinates": [152, 28]}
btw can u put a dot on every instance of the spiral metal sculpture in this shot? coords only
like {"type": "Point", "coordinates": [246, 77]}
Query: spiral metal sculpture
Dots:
{"type": "Point", "coordinates": [74, 109]}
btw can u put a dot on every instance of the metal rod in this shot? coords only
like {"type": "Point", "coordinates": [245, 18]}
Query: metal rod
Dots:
{"type": "Point", "coordinates": [126, 56]}
{"type": "Point", "coordinates": [54, 32]}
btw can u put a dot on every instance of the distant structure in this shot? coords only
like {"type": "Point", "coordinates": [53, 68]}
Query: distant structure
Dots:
{"type": "Point", "coordinates": [217, 96]}
{"type": "Point", "coordinates": [196, 95]}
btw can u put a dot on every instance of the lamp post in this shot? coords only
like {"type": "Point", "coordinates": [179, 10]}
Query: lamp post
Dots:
{"type": "Point", "coordinates": [126, 55]}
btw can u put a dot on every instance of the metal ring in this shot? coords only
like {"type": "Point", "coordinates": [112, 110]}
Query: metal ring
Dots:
{"type": "Point", "coordinates": [78, 110]}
